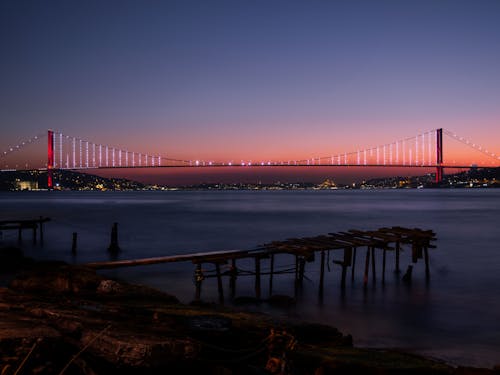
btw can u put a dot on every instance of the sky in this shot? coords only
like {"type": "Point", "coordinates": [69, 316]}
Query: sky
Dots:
{"type": "Point", "coordinates": [249, 80]}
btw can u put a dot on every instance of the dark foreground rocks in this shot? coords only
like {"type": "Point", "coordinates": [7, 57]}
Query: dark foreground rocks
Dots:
{"type": "Point", "coordinates": [61, 319]}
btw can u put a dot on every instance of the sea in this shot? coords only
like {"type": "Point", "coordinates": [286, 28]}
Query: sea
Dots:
{"type": "Point", "coordinates": [454, 316]}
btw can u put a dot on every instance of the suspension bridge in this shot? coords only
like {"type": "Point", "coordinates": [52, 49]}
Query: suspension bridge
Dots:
{"type": "Point", "coordinates": [425, 150]}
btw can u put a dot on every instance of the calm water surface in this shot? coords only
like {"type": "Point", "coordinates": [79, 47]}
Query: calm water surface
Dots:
{"type": "Point", "coordinates": [454, 317]}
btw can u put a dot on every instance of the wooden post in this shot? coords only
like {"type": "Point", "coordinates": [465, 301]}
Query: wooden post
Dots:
{"type": "Point", "coordinates": [353, 264]}
{"type": "Point", "coordinates": [367, 266]}
{"type": "Point", "coordinates": [398, 247]}
{"type": "Point", "coordinates": [346, 263]}
{"type": "Point", "coordinates": [271, 274]}
{"type": "Point", "coordinates": [296, 283]}
{"type": "Point", "coordinates": [373, 265]}
{"type": "Point", "coordinates": [34, 233]}
{"type": "Point", "coordinates": [426, 254]}
{"type": "Point", "coordinates": [219, 284]}
{"type": "Point", "coordinates": [113, 246]}
{"type": "Point", "coordinates": [302, 268]}
{"type": "Point", "coordinates": [414, 252]}
{"type": "Point", "coordinates": [73, 244]}
{"type": "Point", "coordinates": [296, 269]}
{"type": "Point", "coordinates": [41, 230]}
{"type": "Point", "coordinates": [20, 234]}
{"type": "Point", "coordinates": [257, 277]}
{"type": "Point", "coordinates": [322, 274]}
{"type": "Point", "coordinates": [198, 275]}
{"type": "Point", "coordinates": [383, 266]}
{"type": "Point", "coordinates": [232, 278]}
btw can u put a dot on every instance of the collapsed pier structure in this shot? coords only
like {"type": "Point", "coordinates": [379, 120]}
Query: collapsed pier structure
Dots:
{"type": "Point", "coordinates": [346, 244]}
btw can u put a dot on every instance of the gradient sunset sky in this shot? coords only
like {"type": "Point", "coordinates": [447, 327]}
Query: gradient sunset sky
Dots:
{"type": "Point", "coordinates": [250, 79]}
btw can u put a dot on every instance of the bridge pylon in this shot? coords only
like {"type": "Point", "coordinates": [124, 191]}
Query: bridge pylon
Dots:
{"type": "Point", "coordinates": [50, 159]}
{"type": "Point", "coordinates": [439, 155]}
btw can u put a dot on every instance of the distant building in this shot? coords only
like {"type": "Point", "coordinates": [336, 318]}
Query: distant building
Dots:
{"type": "Point", "coordinates": [26, 185]}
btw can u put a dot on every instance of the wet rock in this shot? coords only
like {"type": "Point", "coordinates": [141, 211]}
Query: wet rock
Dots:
{"type": "Point", "coordinates": [56, 278]}
{"type": "Point", "coordinates": [109, 287]}
{"type": "Point", "coordinates": [139, 351]}
{"type": "Point", "coordinates": [209, 323]}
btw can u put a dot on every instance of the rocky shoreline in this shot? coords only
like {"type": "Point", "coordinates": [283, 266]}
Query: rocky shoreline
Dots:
{"type": "Point", "coordinates": [61, 319]}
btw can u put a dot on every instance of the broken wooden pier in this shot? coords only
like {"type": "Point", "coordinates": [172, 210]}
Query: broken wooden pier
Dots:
{"type": "Point", "coordinates": [20, 225]}
{"type": "Point", "coordinates": [346, 244]}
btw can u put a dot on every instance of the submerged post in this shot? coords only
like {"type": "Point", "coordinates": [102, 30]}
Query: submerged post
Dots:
{"type": "Point", "coordinates": [398, 248]}
{"type": "Point", "coordinates": [257, 277]}
{"type": "Point", "coordinates": [232, 278]}
{"type": "Point", "coordinates": [73, 244]}
{"type": "Point", "coordinates": [113, 246]}
{"type": "Point", "coordinates": [34, 233]}
{"type": "Point", "coordinates": [353, 263]}
{"type": "Point", "coordinates": [198, 278]}
{"type": "Point", "coordinates": [41, 230]}
{"type": "Point", "coordinates": [426, 254]}
{"type": "Point", "coordinates": [322, 274]}
{"type": "Point", "coordinates": [271, 274]}
{"type": "Point", "coordinates": [219, 283]}
{"type": "Point", "coordinates": [367, 266]}
{"type": "Point", "coordinates": [373, 265]}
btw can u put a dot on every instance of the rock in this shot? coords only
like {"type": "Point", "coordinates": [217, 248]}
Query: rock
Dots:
{"type": "Point", "coordinates": [209, 323]}
{"type": "Point", "coordinates": [109, 287]}
{"type": "Point", "coordinates": [139, 351]}
{"type": "Point", "coordinates": [56, 278]}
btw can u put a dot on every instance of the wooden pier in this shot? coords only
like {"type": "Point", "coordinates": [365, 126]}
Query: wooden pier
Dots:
{"type": "Point", "coordinates": [20, 225]}
{"type": "Point", "coordinates": [346, 244]}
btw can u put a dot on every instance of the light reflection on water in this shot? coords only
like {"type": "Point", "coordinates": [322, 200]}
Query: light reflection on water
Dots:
{"type": "Point", "coordinates": [454, 317]}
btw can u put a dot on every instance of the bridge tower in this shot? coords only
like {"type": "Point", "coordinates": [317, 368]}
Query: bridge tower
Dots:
{"type": "Point", "coordinates": [50, 158]}
{"type": "Point", "coordinates": [439, 155]}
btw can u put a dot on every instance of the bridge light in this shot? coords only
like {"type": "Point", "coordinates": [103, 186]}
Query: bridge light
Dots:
{"type": "Point", "coordinates": [197, 162]}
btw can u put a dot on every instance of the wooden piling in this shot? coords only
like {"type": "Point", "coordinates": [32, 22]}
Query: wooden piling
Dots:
{"type": "Point", "coordinates": [383, 266]}
{"type": "Point", "coordinates": [398, 248]}
{"type": "Point", "coordinates": [322, 274]}
{"type": "Point", "coordinates": [257, 277]}
{"type": "Point", "coordinates": [271, 274]}
{"type": "Point", "coordinates": [73, 243]}
{"type": "Point", "coordinates": [219, 283]}
{"type": "Point", "coordinates": [353, 264]}
{"type": "Point", "coordinates": [20, 235]}
{"type": "Point", "coordinates": [41, 230]}
{"type": "Point", "coordinates": [34, 234]}
{"type": "Point", "coordinates": [373, 265]}
{"type": "Point", "coordinates": [426, 254]}
{"type": "Point", "coordinates": [232, 278]}
{"type": "Point", "coordinates": [346, 262]}
{"type": "Point", "coordinates": [302, 269]}
{"type": "Point", "coordinates": [198, 275]}
{"type": "Point", "coordinates": [296, 269]}
{"type": "Point", "coordinates": [113, 246]}
{"type": "Point", "coordinates": [367, 266]}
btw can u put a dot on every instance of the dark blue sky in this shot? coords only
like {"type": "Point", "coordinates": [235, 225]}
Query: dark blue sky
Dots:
{"type": "Point", "coordinates": [209, 79]}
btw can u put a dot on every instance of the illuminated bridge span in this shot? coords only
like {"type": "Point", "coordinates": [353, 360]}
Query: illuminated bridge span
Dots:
{"type": "Point", "coordinates": [423, 150]}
